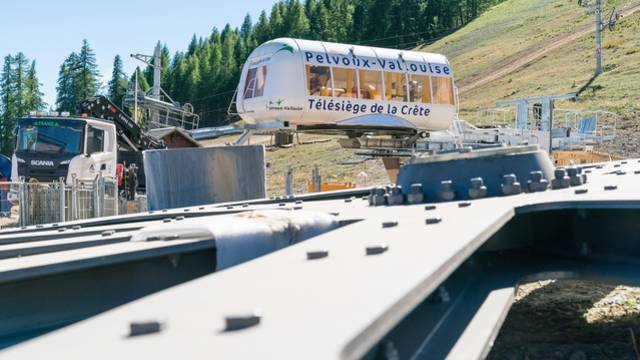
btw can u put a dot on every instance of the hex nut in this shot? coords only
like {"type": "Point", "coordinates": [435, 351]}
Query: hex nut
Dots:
{"type": "Point", "coordinates": [561, 180]}
{"type": "Point", "coordinates": [395, 196]}
{"type": "Point", "coordinates": [477, 189]}
{"type": "Point", "coordinates": [446, 192]}
{"type": "Point", "coordinates": [538, 182]}
{"type": "Point", "coordinates": [510, 185]}
{"type": "Point", "coordinates": [575, 178]}
{"type": "Point", "coordinates": [416, 196]}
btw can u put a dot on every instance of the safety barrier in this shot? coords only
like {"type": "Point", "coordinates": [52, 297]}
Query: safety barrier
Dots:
{"type": "Point", "coordinates": [33, 203]}
{"type": "Point", "coordinates": [576, 128]}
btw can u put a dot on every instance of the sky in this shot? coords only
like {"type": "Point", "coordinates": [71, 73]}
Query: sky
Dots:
{"type": "Point", "coordinates": [49, 30]}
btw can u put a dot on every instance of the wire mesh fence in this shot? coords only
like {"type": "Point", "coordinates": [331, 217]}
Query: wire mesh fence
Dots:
{"type": "Point", "coordinates": [5, 206]}
{"type": "Point", "coordinates": [24, 203]}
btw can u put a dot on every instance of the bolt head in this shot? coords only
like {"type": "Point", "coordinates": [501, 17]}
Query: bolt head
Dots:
{"type": "Point", "coordinates": [389, 224]}
{"type": "Point", "coordinates": [376, 249]}
{"type": "Point", "coordinates": [138, 328]}
{"type": "Point", "coordinates": [433, 220]}
{"type": "Point", "coordinates": [317, 254]}
{"type": "Point", "coordinates": [240, 322]}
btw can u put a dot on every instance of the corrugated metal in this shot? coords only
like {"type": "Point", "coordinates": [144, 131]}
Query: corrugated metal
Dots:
{"type": "Point", "coordinates": [187, 177]}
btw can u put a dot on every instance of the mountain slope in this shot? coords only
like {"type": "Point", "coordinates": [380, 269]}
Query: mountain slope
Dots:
{"type": "Point", "coordinates": [492, 55]}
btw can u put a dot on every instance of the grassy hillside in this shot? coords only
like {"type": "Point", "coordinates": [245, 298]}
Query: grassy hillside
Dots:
{"type": "Point", "coordinates": [516, 28]}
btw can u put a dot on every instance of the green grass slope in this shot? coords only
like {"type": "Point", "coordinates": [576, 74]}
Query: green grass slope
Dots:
{"type": "Point", "coordinates": [517, 28]}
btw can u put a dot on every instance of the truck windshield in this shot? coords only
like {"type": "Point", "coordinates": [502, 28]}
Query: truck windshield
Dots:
{"type": "Point", "coordinates": [51, 137]}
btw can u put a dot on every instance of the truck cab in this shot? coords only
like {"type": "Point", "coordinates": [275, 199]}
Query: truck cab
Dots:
{"type": "Point", "coordinates": [49, 148]}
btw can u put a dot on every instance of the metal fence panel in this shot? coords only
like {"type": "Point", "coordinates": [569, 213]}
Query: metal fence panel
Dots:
{"type": "Point", "coordinates": [44, 203]}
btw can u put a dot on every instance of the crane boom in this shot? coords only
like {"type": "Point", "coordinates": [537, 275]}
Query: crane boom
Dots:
{"type": "Point", "coordinates": [101, 107]}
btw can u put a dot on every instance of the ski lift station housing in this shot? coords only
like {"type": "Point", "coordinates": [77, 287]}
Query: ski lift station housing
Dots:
{"type": "Point", "coordinates": [315, 83]}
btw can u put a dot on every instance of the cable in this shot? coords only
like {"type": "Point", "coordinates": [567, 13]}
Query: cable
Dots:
{"type": "Point", "coordinates": [214, 95]}
{"type": "Point", "coordinates": [446, 32]}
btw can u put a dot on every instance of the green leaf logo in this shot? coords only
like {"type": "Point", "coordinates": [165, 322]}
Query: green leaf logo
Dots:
{"type": "Point", "coordinates": [285, 47]}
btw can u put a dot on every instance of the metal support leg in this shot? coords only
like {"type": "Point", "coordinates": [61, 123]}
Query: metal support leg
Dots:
{"type": "Point", "coordinates": [22, 202]}
{"type": "Point", "coordinates": [288, 182]}
{"type": "Point", "coordinates": [62, 192]}
{"type": "Point", "coordinates": [74, 198]}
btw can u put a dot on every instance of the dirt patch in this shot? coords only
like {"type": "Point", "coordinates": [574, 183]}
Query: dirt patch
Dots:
{"type": "Point", "coordinates": [576, 320]}
{"type": "Point", "coordinates": [627, 137]}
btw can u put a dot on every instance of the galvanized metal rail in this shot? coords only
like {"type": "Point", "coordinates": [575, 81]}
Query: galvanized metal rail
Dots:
{"type": "Point", "coordinates": [420, 281]}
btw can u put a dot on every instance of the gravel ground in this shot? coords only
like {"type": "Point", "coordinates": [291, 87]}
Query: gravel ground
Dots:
{"type": "Point", "coordinates": [575, 320]}
{"type": "Point", "coordinates": [627, 141]}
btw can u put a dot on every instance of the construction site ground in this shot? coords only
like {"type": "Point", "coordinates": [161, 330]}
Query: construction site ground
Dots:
{"type": "Point", "coordinates": [575, 320]}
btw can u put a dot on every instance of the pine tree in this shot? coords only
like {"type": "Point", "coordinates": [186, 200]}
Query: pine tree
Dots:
{"type": "Point", "coordinates": [65, 99]}
{"type": "Point", "coordinates": [193, 45]}
{"type": "Point", "coordinates": [118, 83]}
{"type": "Point", "coordinates": [262, 29]}
{"type": "Point", "coordinates": [19, 92]}
{"type": "Point", "coordinates": [34, 101]}
{"type": "Point", "coordinates": [276, 22]}
{"type": "Point", "coordinates": [193, 77]}
{"type": "Point", "coordinates": [319, 22]}
{"type": "Point", "coordinates": [143, 85]}
{"type": "Point", "coordinates": [246, 30]}
{"type": "Point", "coordinates": [378, 21]}
{"type": "Point", "coordinates": [296, 22]}
{"type": "Point", "coordinates": [341, 19]}
{"type": "Point", "coordinates": [77, 79]}
{"type": "Point", "coordinates": [86, 75]}
{"type": "Point", "coordinates": [7, 109]}
{"type": "Point", "coordinates": [360, 15]}
{"type": "Point", "coordinates": [166, 61]}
